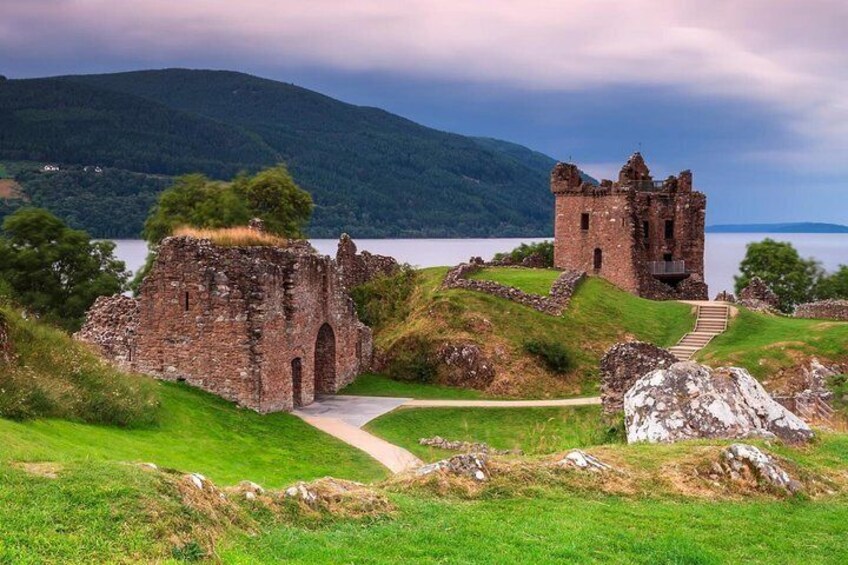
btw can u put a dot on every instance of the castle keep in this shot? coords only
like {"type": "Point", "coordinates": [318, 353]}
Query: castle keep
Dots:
{"type": "Point", "coordinates": [266, 327]}
{"type": "Point", "coordinates": [645, 236]}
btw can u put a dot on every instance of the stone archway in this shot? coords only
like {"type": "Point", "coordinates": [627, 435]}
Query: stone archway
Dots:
{"type": "Point", "coordinates": [325, 361]}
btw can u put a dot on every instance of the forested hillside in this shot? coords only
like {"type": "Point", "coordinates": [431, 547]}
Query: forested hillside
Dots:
{"type": "Point", "coordinates": [371, 173]}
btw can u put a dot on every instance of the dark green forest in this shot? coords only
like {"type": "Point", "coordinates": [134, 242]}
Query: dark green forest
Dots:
{"type": "Point", "coordinates": [370, 173]}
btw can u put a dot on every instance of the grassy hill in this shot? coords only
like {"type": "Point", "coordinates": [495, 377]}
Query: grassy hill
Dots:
{"type": "Point", "coordinates": [371, 173]}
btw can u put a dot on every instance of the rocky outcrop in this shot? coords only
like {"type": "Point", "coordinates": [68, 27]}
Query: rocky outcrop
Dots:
{"type": "Point", "coordinates": [465, 446]}
{"type": "Point", "coordinates": [823, 310]}
{"type": "Point", "coordinates": [758, 296]}
{"type": "Point", "coordinates": [359, 268]}
{"type": "Point", "coordinates": [581, 460]}
{"type": "Point", "coordinates": [339, 497]}
{"type": "Point", "coordinates": [111, 325]}
{"type": "Point", "coordinates": [465, 365]}
{"type": "Point", "coordinates": [689, 401]}
{"type": "Point", "coordinates": [471, 465]}
{"type": "Point", "coordinates": [747, 464]}
{"type": "Point", "coordinates": [803, 390]}
{"type": "Point", "coordinates": [624, 364]}
{"type": "Point", "coordinates": [554, 304]}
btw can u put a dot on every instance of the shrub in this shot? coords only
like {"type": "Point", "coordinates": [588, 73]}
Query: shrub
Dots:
{"type": "Point", "coordinates": [544, 249]}
{"type": "Point", "coordinates": [385, 298]}
{"type": "Point", "coordinates": [552, 353]}
{"type": "Point", "coordinates": [410, 360]}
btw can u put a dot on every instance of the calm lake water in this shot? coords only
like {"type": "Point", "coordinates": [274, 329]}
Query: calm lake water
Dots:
{"type": "Point", "coordinates": [723, 253]}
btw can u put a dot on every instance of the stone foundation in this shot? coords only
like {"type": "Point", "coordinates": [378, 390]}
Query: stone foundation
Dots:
{"type": "Point", "coordinates": [823, 310]}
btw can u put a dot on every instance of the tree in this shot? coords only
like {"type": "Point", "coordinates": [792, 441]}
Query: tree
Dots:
{"type": "Point", "coordinates": [834, 285]}
{"type": "Point", "coordinates": [55, 271]}
{"type": "Point", "coordinates": [196, 201]}
{"type": "Point", "coordinates": [779, 265]}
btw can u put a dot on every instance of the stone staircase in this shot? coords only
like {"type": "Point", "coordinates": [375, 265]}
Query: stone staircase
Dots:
{"type": "Point", "coordinates": [712, 320]}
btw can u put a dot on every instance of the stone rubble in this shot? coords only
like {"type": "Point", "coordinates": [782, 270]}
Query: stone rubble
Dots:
{"type": "Point", "coordinates": [823, 310]}
{"type": "Point", "coordinates": [689, 401]}
{"type": "Point", "coordinates": [359, 268]}
{"type": "Point", "coordinates": [465, 365]}
{"type": "Point", "coordinates": [472, 465]}
{"type": "Point", "coordinates": [757, 296]}
{"type": "Point", "coordinates": [624, 364]}
{"type": "Point", "coordinates": [746, 463]}
{"type": "Point", "coordinates": [468, 447]}
{"type": "Point", "coordinates": [578, 459]}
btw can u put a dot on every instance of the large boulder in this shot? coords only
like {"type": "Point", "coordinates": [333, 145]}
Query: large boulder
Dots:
{"type": "Point", "coordinates": [624, 364]}
{"type": "Point", "coordinates": [689, 401]}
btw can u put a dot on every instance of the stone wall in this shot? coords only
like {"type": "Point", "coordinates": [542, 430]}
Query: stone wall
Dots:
{"type": "Point", "coordinates": [823, 310]}
{"type": "Point", "coordinates": [359, 268]}
{"type": "Point", "coordinates": [265, 327]}
{"type": "Point", "coordinates": [758, 296]}
{"type": "Point", "coordinates": [615, 230]}
{"type": "Point", "coordinates": [623, 365]}
{"type": "Point", "coordinates": [111, 325]}
{"type": "Point", "coordinates": [554, 304]}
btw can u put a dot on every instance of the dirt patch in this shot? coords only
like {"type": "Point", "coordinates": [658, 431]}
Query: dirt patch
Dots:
{"type": "Point", "coordinates": [10, 190]}
{"type": "Point", "coordinates": [47, 470]}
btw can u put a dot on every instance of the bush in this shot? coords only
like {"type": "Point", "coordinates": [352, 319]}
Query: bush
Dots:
{"type": "Point", "coordinates": [411, 360]}
{"type": "Point", "coordinates": [779, 265]}
{"type": "Point", "coordinates": [544, 249]}
{"type": "Point", "coordinates": [386, 298]}
{"type": "Point", "coordinates": [552, 353]}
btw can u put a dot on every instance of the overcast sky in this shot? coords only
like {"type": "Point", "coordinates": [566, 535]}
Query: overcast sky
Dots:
{"type": "Point", "coordinates": [751, 95]}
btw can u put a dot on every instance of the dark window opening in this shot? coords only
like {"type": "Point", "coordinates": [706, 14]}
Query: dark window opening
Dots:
{"type": "Point", "coordinates": [646, 233]}
{"type": "Point", "coordinates": [598, 259]}
{"type": "Point", "coordinates": [669, 229]}
{"type": "Point", "coordinates": [584, 221]}
{"type": "Point", "coordinates": [667, 258]}
{"type": "Point", "coordinates": [185, 301]}
{"type": "Point", "coordinates": [297, 381]}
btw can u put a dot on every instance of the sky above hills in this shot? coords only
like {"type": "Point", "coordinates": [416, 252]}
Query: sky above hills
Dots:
{"type": "Point", "coordinates": [752, 96]}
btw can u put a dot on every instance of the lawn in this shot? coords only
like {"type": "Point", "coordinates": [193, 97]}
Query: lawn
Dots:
{"type": "Point", "coordinates": [533, 430]}
{"type": "Point", "coordinates": [764, 344]}
{"type": "Point", "coordinates": [534, 281]}
{"type": "Point", "coordinates": [197, 432]}
{"type": "Point", "coordinates": [374, 384]}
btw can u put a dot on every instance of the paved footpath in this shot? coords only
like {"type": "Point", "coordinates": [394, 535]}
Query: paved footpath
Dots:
{"type": "Point", "coordinates": [343, 416]}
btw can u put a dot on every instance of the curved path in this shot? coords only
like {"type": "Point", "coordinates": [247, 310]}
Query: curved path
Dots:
{"type": "Point", "coordinates": [343, 416]}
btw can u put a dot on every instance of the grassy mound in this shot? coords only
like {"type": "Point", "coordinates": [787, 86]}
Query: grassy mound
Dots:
{"type": "Point", "coordinates": [766, 345]}
{"type": "Point", "coordinates": [410, 324]}
{"type": "Point", "coordinates": [49, 374]}
{"type": "Point", "coordinates": [197, 432]}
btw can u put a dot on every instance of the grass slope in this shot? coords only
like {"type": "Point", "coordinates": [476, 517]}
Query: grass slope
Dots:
{"type": "Point", "coordinates": [198, 432]}
{"type": "Point", "coordinates": [534, 281]}
{"type": "Point", "coordinates": [373, 384]}
{"type": "Point", "coordinates": [766, 344]}
{"type": "Point", "coordinates": [599, 316]}
{"type": "Point", "coordinates": [532, 430]}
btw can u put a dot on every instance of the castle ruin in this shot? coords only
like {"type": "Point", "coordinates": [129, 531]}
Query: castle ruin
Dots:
{"type": "Point", "coordinates": [645, 236]}
{"type": "Point", "coordinates": [266, 327]}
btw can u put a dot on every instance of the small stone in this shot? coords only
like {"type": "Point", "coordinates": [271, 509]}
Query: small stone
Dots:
{"type": "Point", "coordinates": [581, 460]}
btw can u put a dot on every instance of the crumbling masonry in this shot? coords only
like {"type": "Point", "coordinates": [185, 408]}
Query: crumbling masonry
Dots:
{"type": "Point", "coordinates": [266, 327]}
{"type": "Point", "coordinates": [644, 236]}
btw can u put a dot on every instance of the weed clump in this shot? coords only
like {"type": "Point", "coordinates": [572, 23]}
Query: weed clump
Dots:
{"type": "Point", "coordinates": [553, 354]}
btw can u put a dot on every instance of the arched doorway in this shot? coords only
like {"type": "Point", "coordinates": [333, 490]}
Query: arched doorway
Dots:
{"type": "Point", "coordinates": [297, 381]}
{"type": "Point", "coordinates": [325, 360]}
{"type": "Point", "coordinates": [598, 259]}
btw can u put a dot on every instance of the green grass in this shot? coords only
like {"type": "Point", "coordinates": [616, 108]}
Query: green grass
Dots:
{"type": "Point", "coordinates": [373, 384]}
{"type": "Point", "coordinates": [533, 430]}
{"type": "Point", "coordinates": [197, 432]}
{"type": "Point", "coordinates": [764, 344]}
{"type": "Point", "coordinates": [534, 281]}
{"type": "Point", "coordinates": [563, 528]}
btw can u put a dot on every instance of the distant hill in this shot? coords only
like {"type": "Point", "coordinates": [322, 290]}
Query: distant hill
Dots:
{"type": "Point", "coordinates": [800, 227]}
{"type": "Point", "coordinates": [371, 173]}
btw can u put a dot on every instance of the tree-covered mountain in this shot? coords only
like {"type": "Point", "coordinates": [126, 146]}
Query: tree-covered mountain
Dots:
{"type": "Point", "coordinates": [371, 173]}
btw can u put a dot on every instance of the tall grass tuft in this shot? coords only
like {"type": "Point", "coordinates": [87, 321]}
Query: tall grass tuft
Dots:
{"type": "Point", "coordinates": [241, 236]}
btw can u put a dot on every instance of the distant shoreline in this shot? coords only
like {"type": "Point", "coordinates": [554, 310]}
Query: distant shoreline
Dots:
{"type": "Point", "coordinates": [800, 227]}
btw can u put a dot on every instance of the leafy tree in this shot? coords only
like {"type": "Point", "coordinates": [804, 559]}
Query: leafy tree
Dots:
{"type": "Point", "coordinates": [544, 249]}
{"type": "Point", "coordinates": [779, 265]}
{"type": "Point", "coordinates": [273, 196]}
{"type": "Point", "coordinates": [833, 285]}
{"type": "Point", "coordinates": [55, 271]}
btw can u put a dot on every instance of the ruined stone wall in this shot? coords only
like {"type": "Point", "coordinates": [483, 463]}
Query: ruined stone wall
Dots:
{"type": "Point", "coordinates": [823, 310]}
{"type": "Point", "coordinates": [359, 268]}
{"type": "Point", "coordinates": [110, 326]}
{"type": "Point", "coordinates": [610, 229]}
{"type": "Point", "coordinates": [240, 322]}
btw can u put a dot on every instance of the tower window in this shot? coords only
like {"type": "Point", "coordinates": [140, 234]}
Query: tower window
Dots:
{"type": "Point", "coordinates": [584, 221]}
{"type": "Point", "coordinates": [669, 229]}
{"type": "Point", "coordinates": [185, 301]}
{"type": "Point", "coordinates": [646, 230]}
{"type": "Point", "coordinates": [598, 259]}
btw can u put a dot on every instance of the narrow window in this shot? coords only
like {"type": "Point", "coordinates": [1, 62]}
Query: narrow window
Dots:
{"type": "Point", "coordinates": [584, 221]}
{"type": "Point", "coordinates": [667, 258]}
{"type": "Point", "coordinates": [185, 301]}
{"type": "Point", "coordinates": [598, 259]}
{"type": "Point", "coordinates": [646, 230]}
{"type": "Point", "coordinates": [669, 229]}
